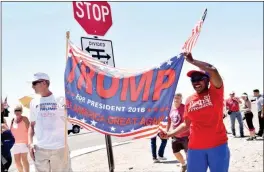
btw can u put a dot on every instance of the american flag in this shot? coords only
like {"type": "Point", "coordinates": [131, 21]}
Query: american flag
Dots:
{"type": "Point", "coordinates": [190, 43]}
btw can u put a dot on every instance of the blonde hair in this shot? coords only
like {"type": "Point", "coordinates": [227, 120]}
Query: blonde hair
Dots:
{"type": "Point", "coordinates": [178, 94]}
{"type": "Point", "coordinates": [18, 107]}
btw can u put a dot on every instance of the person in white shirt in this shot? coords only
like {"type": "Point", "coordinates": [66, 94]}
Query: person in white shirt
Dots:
{"type": "Point", "coordinates": [260, 108]}
{"type": "Point", "coordinates": [47, 125]}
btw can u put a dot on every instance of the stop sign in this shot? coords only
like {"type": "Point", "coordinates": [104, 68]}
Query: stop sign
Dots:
{"type": "Point", "coordinates": [94, 17]}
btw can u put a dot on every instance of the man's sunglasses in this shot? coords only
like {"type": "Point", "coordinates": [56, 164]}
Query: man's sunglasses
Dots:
{"type": "Point", "coordinates": [198, 79]}
{"type": "Point", "coordinates": [18, 110]}
{"type": "Point", "coordinates": [36, 82]}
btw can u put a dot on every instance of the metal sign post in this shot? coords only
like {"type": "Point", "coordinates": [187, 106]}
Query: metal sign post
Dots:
{"type": "Point", "coordinates": [102, 50]}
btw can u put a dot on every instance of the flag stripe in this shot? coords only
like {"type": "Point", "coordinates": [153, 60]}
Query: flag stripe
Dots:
{"type": "Point", "coordinates": [78, 53]}
{"type": "Point", "coordinates": [83, 56]}
{"type": "Point", "coordinates": [191, 42]}
{"type": "Point", "coordinates": [153, 134]}
{"type": "Point", "coordinates": [141, 130]}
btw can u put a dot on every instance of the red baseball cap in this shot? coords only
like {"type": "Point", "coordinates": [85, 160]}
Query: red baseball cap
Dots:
{"type": "Point", "coordinates": [189, 74]}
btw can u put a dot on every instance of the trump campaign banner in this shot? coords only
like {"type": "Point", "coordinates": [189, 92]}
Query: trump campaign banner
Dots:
{"type": "Point", "coordinates": [119, 102]}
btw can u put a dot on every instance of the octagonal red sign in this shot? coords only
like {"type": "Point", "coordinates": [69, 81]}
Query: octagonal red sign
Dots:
{"type": "Point", "coordinates": [95, 17]}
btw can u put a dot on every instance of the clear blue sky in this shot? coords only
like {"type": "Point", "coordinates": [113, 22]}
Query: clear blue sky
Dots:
{"type": "Point", "coordinates": [143, 34]}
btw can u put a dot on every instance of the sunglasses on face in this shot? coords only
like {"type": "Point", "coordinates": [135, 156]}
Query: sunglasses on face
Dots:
{"type": "Point", "coordinates": [36, 82]}
{"type": "Point", "coordinates": [198, 79]}
{"type": "Point", "coordinates": [18, 110]}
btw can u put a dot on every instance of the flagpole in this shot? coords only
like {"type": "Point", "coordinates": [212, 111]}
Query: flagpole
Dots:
{"type": "Point", "coordinates": [66, 150]}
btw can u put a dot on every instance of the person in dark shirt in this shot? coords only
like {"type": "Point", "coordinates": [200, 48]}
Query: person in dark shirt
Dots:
{"type": "Point", "coordinates": [7, 142]}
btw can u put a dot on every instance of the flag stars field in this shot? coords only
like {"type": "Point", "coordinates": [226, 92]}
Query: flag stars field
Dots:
{"type": "Point", "coordinates": [113, 128]}
{"type": "Point", "coordinates": [169, 62]}
{"type": "Point", "coordinates": [93, 122]}
{"type": "Point", "coordinates": [83, 120]}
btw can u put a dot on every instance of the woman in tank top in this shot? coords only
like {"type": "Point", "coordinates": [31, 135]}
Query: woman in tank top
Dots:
{"type": "Point", "coordinates": [19, 128]}
{"type": "Point", "coordinates": [246, 108]}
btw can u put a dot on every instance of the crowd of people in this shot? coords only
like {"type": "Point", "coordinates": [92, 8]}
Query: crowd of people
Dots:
{"type": "Point", "coordinates": [237, 106]}
{"type": "Point", "coordinates": [180, 141]}
{"type": "Point", "coordinates": [206, 145]}
{"type": "Point", "coordinates": [46, 122]}
{"type": "Point", "coordinates": [196, 127]}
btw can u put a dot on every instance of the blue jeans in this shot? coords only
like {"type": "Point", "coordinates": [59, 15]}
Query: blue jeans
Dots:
{"type": "Point", "coordinates": [161, 148]}
{"type": "Point", "coordinates": [217, 159]}
{"type": "Point", "coordinates": [233, 117]}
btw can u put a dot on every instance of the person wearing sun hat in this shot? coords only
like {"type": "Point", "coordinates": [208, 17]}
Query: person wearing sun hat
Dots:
{"type": "Point", "coordinates": [47, 124]}
{"type": "Point", "coordinates": [203, 115]}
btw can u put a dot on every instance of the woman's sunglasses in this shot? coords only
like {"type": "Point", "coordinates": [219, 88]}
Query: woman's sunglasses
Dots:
{"type": "Point", "coordinates": [198, 79]}
{"type": "Point", "coordinates": [18, 110]}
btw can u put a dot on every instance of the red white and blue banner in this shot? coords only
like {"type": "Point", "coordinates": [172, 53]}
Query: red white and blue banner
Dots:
{"type": "Point", "coordinates": [119, 102]}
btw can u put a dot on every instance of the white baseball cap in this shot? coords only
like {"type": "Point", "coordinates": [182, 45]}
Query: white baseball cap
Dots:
{"type": "Point", "coordinates": [40, 76]}
{"type": "Point", "coordinates": [244, 95]}
{"type": "Point", "coordinates": [232, 92]}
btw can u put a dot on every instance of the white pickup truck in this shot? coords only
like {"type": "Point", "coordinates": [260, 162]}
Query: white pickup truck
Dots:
{"type": "Point", "coordinates": [73, 128]}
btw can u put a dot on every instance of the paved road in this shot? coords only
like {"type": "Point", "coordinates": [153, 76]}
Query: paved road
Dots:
{"type": "Point", "coordinates": [83, 140]}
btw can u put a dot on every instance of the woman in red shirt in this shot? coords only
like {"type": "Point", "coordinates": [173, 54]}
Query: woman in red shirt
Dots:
{"type": "Point", "coordinates": [203, 115]}
{"type": "Point", "coordinates": [180, 141]}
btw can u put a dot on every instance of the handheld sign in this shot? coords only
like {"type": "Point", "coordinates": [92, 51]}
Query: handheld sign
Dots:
{"type": "Point", "coordinates": [94, 17]}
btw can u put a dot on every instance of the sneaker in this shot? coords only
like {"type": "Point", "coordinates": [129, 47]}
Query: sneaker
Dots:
{"type": "Point", "coordinates": [259, 134]}
{"type": "Point", "coordinates": [162, 158]}
{"type": "Point", "coordinates": [184, 168]}
{"type": "Point", "coordinates": [242, 136]}
{"type": "Point", "coordinates": [155, 160]}
{"type": "Point", "coordinates": [250, 138]}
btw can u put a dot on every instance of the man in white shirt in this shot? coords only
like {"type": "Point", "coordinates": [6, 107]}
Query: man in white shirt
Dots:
{"type": "Point", "coordinates": [47, 124]}
{"type": "Point", "coordinates": [260, 107]}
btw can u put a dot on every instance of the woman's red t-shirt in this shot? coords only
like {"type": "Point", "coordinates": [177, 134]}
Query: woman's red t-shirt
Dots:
{"type": "Point", "coordinates": [205, 111]}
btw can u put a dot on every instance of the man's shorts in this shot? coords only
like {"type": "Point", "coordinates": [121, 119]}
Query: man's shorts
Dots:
{"type": "Point", "coordinates": [179, 144]}
{"type": "Point", "coordinates": [19, 148]}
{"type": "Point", "coordinates": [52, 160]}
